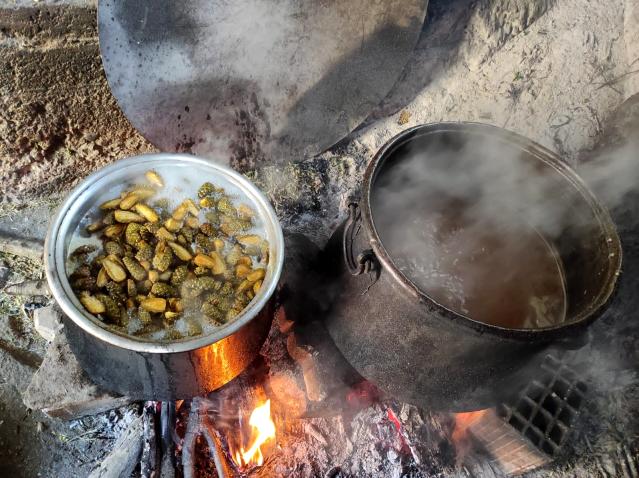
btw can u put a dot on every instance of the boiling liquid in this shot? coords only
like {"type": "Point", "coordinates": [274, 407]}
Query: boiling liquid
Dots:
{"type": "Point", "coordinates": [467, 245]}
{"type": "Point", "coordinates": [511, 278]}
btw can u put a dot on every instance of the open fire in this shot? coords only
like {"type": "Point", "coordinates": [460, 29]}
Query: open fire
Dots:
{"type": "Point", "coordinates": [263, 431]}
{"type": "Point", "coordinates": [355, 430]}
{"type": "Point", "coordinates": [329, 421]}
{"type": "Point", "coordinates": [460, 437]}
{"type": "Point", "coordinates": [232, 431]}
{"type": "Point", "coordinates": [463, 421]}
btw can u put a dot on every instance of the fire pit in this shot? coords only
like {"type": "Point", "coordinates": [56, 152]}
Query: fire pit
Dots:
{"type": "Point", "coordinates": [570, 410]}
{"type": "Point", "coordinates": [238, 429]}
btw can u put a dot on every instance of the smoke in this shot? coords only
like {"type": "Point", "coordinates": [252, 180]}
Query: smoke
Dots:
{"type": "Point", "coordinates": [481, 225]}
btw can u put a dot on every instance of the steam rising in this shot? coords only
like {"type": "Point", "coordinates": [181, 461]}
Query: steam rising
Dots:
{"type": "Point", "coordinates": [480, 226]}
{"type": "Point", "coordinates": [614, 173]}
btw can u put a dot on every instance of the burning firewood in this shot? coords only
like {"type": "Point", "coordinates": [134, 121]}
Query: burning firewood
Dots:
{"type": "Point", "coordinates": [200, 424]}
{"type": "Point", "coordinates": [188, 446]}
{"type": "Point", "coordinates": [305, 360]}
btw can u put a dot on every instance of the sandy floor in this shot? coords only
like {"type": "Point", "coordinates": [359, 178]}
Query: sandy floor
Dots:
{"type": "Point", "coordinates": [556, 82]}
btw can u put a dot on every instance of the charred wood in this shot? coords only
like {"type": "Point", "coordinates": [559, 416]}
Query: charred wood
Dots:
{"type": "Point", "coordinates": [125, 455]}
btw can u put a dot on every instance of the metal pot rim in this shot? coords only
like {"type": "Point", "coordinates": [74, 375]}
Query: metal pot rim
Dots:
{"type": "Point", "coordinates": [543, 154]}
{"type": "Point", "coordinates": [54, 259]}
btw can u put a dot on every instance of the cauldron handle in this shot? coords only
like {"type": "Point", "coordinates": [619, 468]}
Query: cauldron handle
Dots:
{"type": "Point", "coordinates": [365, 261]}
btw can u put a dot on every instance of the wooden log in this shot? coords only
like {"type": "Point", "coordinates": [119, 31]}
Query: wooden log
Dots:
{"type": "Point", "coordinates": [199, 424]}
{"type": "Point", "coordinates": [193, 428]}
{"type": "Point", "coordinates": [167, 470]}
{"type": "Point", "coordinates": [167, 428]}
{"type": "Point", "coordinates": [125, 455]}
{"type": "Point", "coordinates": [223, 467]}
{"type": "Point", "coordinates": [149, 461]}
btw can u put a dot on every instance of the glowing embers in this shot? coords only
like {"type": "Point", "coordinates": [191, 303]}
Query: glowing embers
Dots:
{"type": "Point", "coordinates": [264, 430]}
{"type": "Point", "coordinates": [460, 435]}
{"type": "Point", "coordinates": [463, 421]}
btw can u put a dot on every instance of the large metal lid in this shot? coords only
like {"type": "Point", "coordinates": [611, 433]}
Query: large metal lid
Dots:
{"type": "Point", "coordinates": [251, 81]}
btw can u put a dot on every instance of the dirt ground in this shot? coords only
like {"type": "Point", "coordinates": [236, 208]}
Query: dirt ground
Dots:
{"type": "Point", "coordinates": [552, 70]}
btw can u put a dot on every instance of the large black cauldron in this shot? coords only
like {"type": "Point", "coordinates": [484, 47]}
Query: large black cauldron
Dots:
{"type": "Point", "coordinates": [415, 349]}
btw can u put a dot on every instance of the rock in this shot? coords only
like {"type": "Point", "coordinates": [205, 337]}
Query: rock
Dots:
{"type": "Point", "coordinates": [47, 321]}
{"type": "Point", "coordinates": [60, 388]}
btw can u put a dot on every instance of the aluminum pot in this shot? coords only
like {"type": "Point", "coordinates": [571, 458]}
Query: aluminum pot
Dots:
{"type": "Point", "coordinates": [417, 350]}
{"type": "Point", "coordinates": [147, 370]}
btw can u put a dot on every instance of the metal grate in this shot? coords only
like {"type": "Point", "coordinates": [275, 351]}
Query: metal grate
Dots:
{"type": "Point", "coordinates": [548, 406]}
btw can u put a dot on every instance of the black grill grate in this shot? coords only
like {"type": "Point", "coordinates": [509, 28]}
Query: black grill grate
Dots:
{"type": "Point", "coordinates": [548, 406]}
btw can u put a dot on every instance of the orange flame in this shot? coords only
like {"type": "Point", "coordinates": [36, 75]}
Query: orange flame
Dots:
{"type": "Point", "coordinates": [261, 421]}
{"type": "Point", "coordinates": [466, 419]}
{"type": "Point", "coordinates": [460, 433]}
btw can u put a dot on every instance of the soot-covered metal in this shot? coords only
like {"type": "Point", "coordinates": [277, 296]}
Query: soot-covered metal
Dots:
{"type": "Point", "coordinates": [417, 350]}
{"type": "Point", "coordinates": [253, 80]}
